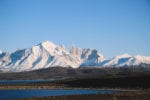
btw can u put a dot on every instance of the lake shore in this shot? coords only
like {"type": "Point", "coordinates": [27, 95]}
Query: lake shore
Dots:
{"type": "Point", "coordinates": [67, 88]}
{"type": "Point", "coordinates": [123, 95]}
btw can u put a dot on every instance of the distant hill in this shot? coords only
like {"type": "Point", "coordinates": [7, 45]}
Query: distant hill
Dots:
{"type": "Point", "coordinates": [82, 72]}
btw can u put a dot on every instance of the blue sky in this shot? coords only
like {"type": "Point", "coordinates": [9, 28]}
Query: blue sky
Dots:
{"type": "Point", "coordinates": [113, 27]}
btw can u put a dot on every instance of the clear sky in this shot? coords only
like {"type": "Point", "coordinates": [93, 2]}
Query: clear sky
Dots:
{"type": "Point", "coordinates": [113, 27]}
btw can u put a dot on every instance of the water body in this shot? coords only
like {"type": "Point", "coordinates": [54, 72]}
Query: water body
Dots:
{"type": "Point", "coordinates": [10, 82]}
{"type": "Point", "coordinates": [13, 94]}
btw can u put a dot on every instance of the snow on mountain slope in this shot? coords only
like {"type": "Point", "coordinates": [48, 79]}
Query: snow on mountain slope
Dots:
{"type": "Point", "coordinates": [1, 52]}
{"type": "Point", "coordinates": [116, 60]}
{"type": "Point", "coordinates": [138, 59]}
{"type": "Point", "coordinates": [4, 61]}
{"type": "Point", "coordinates": [88, 57]}
{"type": "Point", "coordinates": [126, 60]}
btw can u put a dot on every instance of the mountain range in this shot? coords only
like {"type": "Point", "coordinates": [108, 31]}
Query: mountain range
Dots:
{"type": "Point", "coordinates": [48, 54]}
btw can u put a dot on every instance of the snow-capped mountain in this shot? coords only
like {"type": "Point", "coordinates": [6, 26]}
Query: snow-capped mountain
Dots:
{"type": "Point", "coordinates": [126, 60]}
{"type": "Point", "coordinates": [47, 54]}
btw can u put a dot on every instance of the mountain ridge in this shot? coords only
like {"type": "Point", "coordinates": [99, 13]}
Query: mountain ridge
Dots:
{"type": "Point", "coordinates": [47, 54]}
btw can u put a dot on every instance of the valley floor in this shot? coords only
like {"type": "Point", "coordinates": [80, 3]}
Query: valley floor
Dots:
{"type": "Point", "coordinates": [113, 82]}
{"type": "Point", "coordinates": [133, 86]}
{"type": "Point", "coordinates": [130, 88]}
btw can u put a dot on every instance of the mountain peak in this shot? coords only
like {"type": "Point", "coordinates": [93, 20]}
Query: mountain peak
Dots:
{"type": "Point", "coordinates": [48, 43]}
{"type": "Point", "coordinates": [141, 58]}
{"type": "Point", "coordinates": [123, 56]}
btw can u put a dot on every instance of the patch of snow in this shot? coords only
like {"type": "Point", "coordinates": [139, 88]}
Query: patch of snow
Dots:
{"type": "Point", "coordinates": [1, 52]}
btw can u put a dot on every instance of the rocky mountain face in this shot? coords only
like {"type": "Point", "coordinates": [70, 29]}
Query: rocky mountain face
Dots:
{"type": "Point", "coordinates": [88, 57]}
